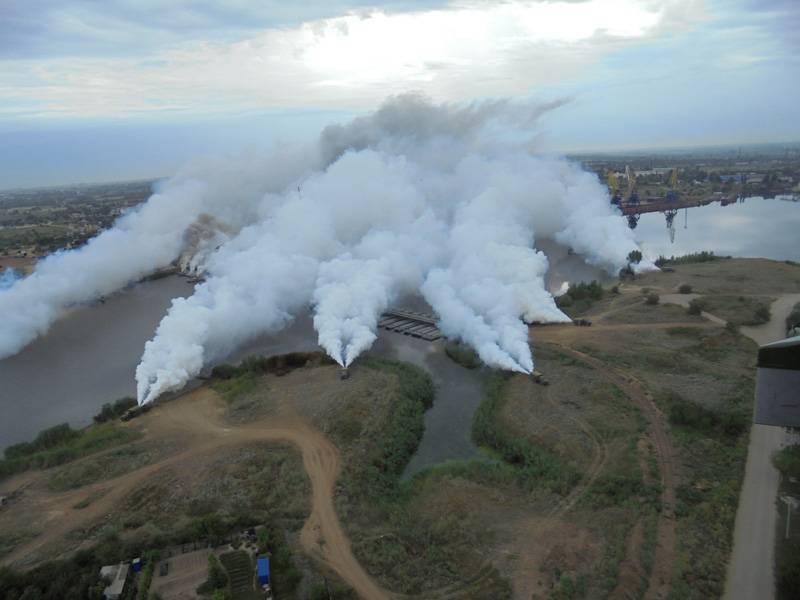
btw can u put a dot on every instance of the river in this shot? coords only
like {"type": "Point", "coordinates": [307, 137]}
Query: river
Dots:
{"type": "Point", "coordinates": [89, 356]}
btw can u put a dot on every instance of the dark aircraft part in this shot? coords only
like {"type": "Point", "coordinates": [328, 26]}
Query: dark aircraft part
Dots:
{"type": "Point", "coordinates": [778, 384]}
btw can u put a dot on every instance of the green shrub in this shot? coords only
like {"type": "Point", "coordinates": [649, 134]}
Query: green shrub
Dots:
{"type": "Point", "coordinates": [217, 577]}
{"type": "Point", "coordinates": [727, 424]}
{"type": "Point", "coordinates": [46, 440]}
{"type": "Point", "coordinates": [685, 288]}
{"type": "Point", "coordinates": [580, 296]}
{"type": "Point", "coordinates": [696, 307]}
{"type": "Point", "coordinates": [695, 257]}
{"type": "Point", "coordinates": [463, 355]}
{"type": "Point", "coordinates": [652, 299]}
{"type": "Point", "coordinates": [793, 319]}
{"type": "Point", "coordinates": [787, 461]}
{"type": "Point", "coordinates": [537, 465]}
{"type": "Point", "coordinates": [391, 454]}
{"type": "Point", "coordinates": [224, 371]}
{"type": "Point", "coordinates": [61, 444]}
{"type": "Point", "coordinates": [146, 578]}
{"type": "Point", "coordinates": [788, 567]}
{"type": "Point", "coordinates": [761, 315]}
{"type": "Point", "coordinates": [109, 412]}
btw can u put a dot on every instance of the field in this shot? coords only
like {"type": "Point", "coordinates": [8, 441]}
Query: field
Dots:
{"type": "Point", "coordinates": [618, 479]}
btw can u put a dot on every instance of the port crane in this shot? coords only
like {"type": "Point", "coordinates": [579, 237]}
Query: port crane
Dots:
{"type": "Point", "coordinates": [613, 185]}
{"type": "Point", "coordinates": [632, 196]}
{"type": "Point", "coordinates": [672, 196]}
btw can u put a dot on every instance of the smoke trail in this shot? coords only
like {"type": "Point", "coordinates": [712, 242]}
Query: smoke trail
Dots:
{"type": "Point", "coordinates": [145, 239]}
{"type": "Point", "coordinates": [442, 199]}
{"type": "Point", "coordinates": [7, 278]}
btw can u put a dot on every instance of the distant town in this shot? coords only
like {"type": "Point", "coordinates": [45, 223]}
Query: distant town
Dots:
{"type": "Point", "coordinates": [36, 222]}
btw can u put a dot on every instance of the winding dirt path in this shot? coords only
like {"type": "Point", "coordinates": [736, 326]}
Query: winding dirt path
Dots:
{"type": "Point", "coordinates": [659, 580]}
{"type": "Point", "coordinates": [599, 458]}
{"type": "Point", "coordinates": [198, 417]}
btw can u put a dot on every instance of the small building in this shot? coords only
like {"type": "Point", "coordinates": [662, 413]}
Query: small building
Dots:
{"type": "Point", "coordinates": [262, 570]}
{"type": "Point", "coordinates": [115, 576]}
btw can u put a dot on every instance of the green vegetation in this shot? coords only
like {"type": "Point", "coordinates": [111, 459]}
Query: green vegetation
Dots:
{"type": "Point", "coordinates": [106, 466]}
{"type": "Point", "coordinates": [685, 288]}
{"type": "Point", "coordinates": [110, 411]}
{"type": "Point", "coordinates": [463, 355]}
{"type": "Point", "coordinates": [239, 567]}
{"type": "Point", "coordinates": [50, 237]}
{"type": "Point", "coordinates": [217, 577]}
{"type": "Point", "coordinates": [793, 320]}
{"type": "Point", "coordinates": [787, 461]}
{"type": "Point", "coordinates": [146, 578]}
{"type": "Point", "coordinates": [9, 541]}
{"type": "Point", "coordinates": [74, 578]}
{"type": "Point", "coordinates": [727, 425]}
{"type": "Point", "coordinates": [696, 306]}
{"type": "Point", "coordinates": [702, 378]}
{"type": "Point", "coordinates": [740, 310]}
{"type": "Point", "coordinates": [232, 381]}
{"type": "Point", "coordinates": [411, 545]}
{"type": "Point", "coordinates": [536, 466]}
{"type": "Point", "coordinates": [285, 577]}
{"type": "Point", "coordinates": [695, 257]}
{"type": "Point", "coordinates": [388, 456]}
{"type": "Point", "coordinates": [61, 444]}
{"type": "Point", "coordinates": [651, 299]}
{"type": "Point", "coordinates": [580, 297]}
{"type": "Point", "coordinates": [234, 386]}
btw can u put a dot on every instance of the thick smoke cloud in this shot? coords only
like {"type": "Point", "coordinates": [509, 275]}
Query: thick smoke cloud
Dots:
{"type": "Point", "coordinates": [446, 201]}
{"type": "Point", "coordinates": [7, 278]}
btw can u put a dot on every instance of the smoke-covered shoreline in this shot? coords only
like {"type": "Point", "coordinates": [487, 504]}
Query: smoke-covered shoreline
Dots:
{"type": "Point", "coordinates": [443, 200]}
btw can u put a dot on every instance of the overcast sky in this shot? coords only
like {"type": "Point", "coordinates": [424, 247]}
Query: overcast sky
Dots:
{"type": "Point", "coordinates": [94, 90]}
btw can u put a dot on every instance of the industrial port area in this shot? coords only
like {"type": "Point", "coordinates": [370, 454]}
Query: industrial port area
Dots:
{"type": "Point", "coordinates": [400, 300]}
{"type": "Point", "coordinates": [36, 222]}
{"type": "Point", "coordinates": [286, 476]}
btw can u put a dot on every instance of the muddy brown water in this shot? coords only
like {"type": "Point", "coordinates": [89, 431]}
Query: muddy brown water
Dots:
{"type": "Point", "coordinates": [90, 355]}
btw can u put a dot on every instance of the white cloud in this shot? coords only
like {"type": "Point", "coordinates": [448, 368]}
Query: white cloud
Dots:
{"type": "Point", "coordinates": [466, 50]}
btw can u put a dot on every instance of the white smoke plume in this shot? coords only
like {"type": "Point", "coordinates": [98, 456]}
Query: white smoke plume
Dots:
{"type": "Point", "coordinates": [440, 199]}
{"type": "Point", "coordinates": [7, 278]}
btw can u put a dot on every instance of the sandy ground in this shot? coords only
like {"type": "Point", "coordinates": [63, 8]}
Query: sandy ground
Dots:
{"type": "Point", "coordinates": [20, 264]}
{"type": "Point", "coordinates": [196, 418]}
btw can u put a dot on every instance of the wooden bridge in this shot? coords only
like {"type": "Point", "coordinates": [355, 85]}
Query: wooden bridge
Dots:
{"type": "Point", "coordinates": [411, 323]}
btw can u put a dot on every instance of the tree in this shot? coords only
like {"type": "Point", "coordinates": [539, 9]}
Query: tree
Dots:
{"type": "Point", "coordinates": [262, 537]}
{"type": "Point", "coordinates": [217, 577]}
{"type": "Point", "coordinates": [634, 257]}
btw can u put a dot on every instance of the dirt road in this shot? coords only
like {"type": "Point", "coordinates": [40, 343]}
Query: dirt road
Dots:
{"type": "Point", "coordinates": [197, 418]}
{"type": "Point", "coordinates": [750, 571]}
{"type": "Point", "coordinates": [660, 574]}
